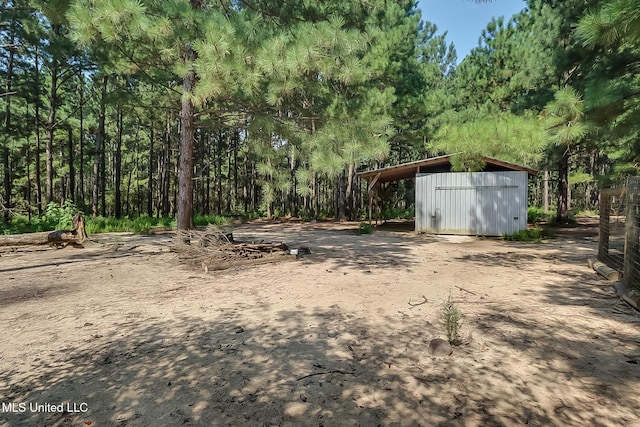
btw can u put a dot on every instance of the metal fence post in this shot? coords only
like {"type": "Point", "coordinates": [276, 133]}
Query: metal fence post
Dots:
{"type": "Point", "coordinates": [603, 239]}
{"type": "Point", "coordinates": [632, 234]}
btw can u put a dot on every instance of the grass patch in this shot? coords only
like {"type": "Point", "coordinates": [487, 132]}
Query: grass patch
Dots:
{"type": "Point", "coordinates": [142, 224]}
{"type": "Point", "coordinates": [202, 220]}
{"type": "Point", "coordinates": [535, 234]}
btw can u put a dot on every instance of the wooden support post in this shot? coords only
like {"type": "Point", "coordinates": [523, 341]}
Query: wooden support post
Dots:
{"type": "Point", "coordinates": [370, 190]}
{"type": "Point", "coordinates": [546, 191]}
{"type": "Point", "coordinates": [370, 204]}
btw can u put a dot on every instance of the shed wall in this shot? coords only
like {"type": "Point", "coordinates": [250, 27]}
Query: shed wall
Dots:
{"type": "Point", "coordinates": [471, 203]}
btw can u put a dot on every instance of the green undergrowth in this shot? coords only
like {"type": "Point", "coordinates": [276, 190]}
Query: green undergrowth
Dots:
{"type": "Point", "coordinates": [143, 224]}
{"type": "Point", "coordinates": [535, 234]}
{"type": "Point", "coordinates": [536, 214]}
{"type": "Point", "coordinates": [59, 218]}
{"type": "Point", "coordinates": [365, 228]}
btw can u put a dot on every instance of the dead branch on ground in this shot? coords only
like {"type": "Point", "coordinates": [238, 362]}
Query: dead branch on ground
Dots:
{"type": "Point", "coordinates": [420, 303]}
{"type": "Point", "coordinates": [464, 290]}
{"type": "Point", "coordinates": [214, 249]}
{"type": "Point", "coordinates": [336, 371]}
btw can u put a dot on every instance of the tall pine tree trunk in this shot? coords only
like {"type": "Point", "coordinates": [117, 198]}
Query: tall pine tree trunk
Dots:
{"type": "Point", "coordinates": [245, 183]}
{"type": "Point", "coordinates": [51, 120]}
{"type": "Point", "coordinates": [228, 184]}
{"type": "Point", "coordinates": [37, 129]}
{"type": "Point", "coordinates": [562, 216]}
{"type": "Point", "coordinates": [351, 200]}
{"type": "Point", "coordinates": [340, 198]}
{"type": "Point", "coordinates": [118, 166]}
{"type": "Point", "coordinates": [72, 170]}
{"type": "Point", "coordinates": [7, 126]}
{"type": "Point", "coordinates": [150, 173]}
{"type": "Point", "coordinates": [81, 144]}
{"type": "Point", "coordinates": [219, 174]}
{"type": "Point", "coordinates": [99, 149]}
{"type": "Point", "coordinates": [166, 168]}
{"type": "Point", "coordinates": [187, 128]}
{"type": "Point", "coordinates": [236, 144]}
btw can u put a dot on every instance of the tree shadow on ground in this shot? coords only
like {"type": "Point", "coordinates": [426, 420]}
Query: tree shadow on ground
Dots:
{"type": "Point", "coordinates": [321, 367]}
{"type": "Point", "coordinates": [99, 252]}
{"type": "Point", "coordinates": [340, 246]}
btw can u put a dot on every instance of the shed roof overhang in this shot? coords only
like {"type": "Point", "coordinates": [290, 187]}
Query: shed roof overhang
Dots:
{"type": "Point", "coordinates": [411, 169]}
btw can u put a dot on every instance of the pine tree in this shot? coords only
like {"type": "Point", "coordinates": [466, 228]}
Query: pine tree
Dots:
{"type": "Point", "coordinates": [612, 91]}
{"type": "Point", "coordinates": [566, 129]}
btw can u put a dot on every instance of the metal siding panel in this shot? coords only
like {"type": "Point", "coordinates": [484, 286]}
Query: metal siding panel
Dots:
{"type": "Point", "coordinates": [482, 203]}
{"type": "Point", "coordinates": [422, 203]}
{"type": "Point", "coordinates": [462, 205]}
{"type": "Point", "coordinates": [439, 204]}
{"type": "Point", "coordinates": [419, 204]}
{"type": "Point", "coordinates": [467, 212]}
{"type": "Point", "coordinates": [427, 202]}
{"type": "Point", "coordinates": [523, 202]}
{"type": "Point", "coordinates": [450, 214]}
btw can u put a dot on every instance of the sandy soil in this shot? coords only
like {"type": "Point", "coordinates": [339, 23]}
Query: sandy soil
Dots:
{"type": "Point", "coordinates": [125, 335]}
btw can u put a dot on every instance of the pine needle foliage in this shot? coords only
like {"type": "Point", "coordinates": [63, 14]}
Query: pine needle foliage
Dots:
{"type": "Point", "coordinates": [616, 23]}
{"type": "Point", "coordinates": [565, 118]}
{"type": "Point", "coordinates": [518, 139]}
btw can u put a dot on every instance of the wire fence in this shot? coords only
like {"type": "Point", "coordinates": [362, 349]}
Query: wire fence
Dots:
{"type": "Point", "coordinates": [619, 241]}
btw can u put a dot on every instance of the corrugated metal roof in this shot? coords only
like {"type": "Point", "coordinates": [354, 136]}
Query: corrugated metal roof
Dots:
{"type": "Point", "coordinates": [411, 169]}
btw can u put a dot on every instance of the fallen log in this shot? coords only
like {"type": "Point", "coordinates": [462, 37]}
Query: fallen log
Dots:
{"type": "Point", "coordinates": [628, 294]}
{"type": "Point", "coordinates": [604, 270]}
{"type": "Point", "coordinates": [59, 237]}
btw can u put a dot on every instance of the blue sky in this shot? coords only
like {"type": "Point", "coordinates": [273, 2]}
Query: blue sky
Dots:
{"type": "Point", "coordinates": [464, 20]}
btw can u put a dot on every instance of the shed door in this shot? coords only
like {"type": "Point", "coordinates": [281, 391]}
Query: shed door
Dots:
{"type": "Point", "coordinates": [498, 211]}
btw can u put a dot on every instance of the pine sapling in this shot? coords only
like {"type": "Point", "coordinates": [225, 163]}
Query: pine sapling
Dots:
{"type": "Point", "coordinates": [452, 320]}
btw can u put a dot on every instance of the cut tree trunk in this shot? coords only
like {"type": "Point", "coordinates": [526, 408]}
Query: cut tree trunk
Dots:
{"type": "Point", "coordinates": [59, 237]}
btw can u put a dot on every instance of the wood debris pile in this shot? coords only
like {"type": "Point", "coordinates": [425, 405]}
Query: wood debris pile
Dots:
{"type": "Point", "coordinates": [214, 249]}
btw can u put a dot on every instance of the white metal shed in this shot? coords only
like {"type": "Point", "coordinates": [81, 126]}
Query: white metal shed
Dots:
{"type": "Point", "coordinates": [471, 203]}
{"type": "Point", "coordinates": [489, 203]}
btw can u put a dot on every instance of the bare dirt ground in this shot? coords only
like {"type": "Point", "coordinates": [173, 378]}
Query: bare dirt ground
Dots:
{"type": "Point", "coordinates": [329, 339]}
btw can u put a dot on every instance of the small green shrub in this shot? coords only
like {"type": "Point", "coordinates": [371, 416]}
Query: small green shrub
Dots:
{"type": "Point", "coordinates": [452, 321]}
{"type": "Point", "coordinates": [535, 234]}
{"type": "Point", "coordinates": [536, 214]}
{"type": "Point", "coordinates": [365, 228]}
{"type": "Point", "coordinates": [60, 217]}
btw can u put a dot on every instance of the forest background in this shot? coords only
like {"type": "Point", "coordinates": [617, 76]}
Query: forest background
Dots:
{"type": "Point", "coordinates": [150, 110]}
